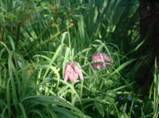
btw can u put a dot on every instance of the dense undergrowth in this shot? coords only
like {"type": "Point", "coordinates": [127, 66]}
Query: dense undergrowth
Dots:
{"type": "Point", "coordinates": [38, 38]}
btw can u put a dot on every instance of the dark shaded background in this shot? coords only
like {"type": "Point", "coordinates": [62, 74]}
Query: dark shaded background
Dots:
{"type": "Point", "coordinates": [149, 33]}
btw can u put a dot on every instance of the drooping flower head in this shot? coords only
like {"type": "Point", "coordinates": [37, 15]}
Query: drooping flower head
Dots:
{"type": "Point", "coordinates": [101, 60]}
{"type": "Point", "coordinates": [73, 72]}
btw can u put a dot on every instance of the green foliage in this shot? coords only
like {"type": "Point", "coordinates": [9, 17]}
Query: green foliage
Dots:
{"type": "Point", "coordinates": [37, 39]}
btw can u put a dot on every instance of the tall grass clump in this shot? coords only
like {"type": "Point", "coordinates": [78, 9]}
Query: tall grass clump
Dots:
{"type": "Point", "coordinates": [39, 38]}
{"type": "Point", "coordinates": [154, 92]}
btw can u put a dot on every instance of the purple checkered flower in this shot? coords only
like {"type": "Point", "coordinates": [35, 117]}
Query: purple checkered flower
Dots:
{"type": "Point", "coordinates": [101, 60]}
{"type": "Point", "coordinates": [72, 72]}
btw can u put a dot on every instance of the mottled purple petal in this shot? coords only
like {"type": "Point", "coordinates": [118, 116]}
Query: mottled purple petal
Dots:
{"type": "Point", "coordinates": [72, 72]}
{"type": "Point", "coordinates": [101, 60]}
{"type": "Point", "coordinates": [79, 71]}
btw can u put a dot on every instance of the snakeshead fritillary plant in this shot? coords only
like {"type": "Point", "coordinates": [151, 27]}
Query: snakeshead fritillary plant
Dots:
{"type": "Point", "coordinates": [101, 60]}
{"type": "Point", "coordinates": [72, 72]}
